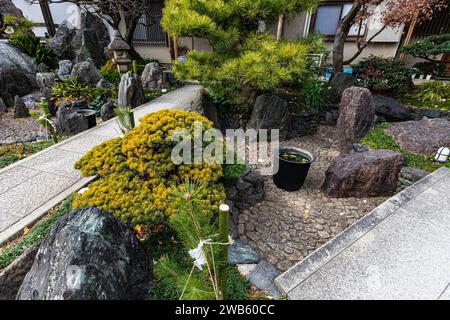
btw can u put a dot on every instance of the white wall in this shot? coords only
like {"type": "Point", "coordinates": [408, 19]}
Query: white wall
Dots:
{"type": "Point", "coordinates": [60, 12]}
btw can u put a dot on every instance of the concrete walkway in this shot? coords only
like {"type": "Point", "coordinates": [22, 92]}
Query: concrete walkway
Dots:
{"type": "Point", "coordinates": [401, 250]}
{"type": "Point", "coordinates": [30, 187]}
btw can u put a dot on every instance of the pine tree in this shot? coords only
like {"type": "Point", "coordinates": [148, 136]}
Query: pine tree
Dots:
{"type": "Point", "coordinates": [245, 59]}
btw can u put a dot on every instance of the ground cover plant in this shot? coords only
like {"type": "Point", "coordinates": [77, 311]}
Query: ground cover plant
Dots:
{"type": "Point", "coordinates": [379, 139]}
{"type": "Point", "coordinates": [15, 152]}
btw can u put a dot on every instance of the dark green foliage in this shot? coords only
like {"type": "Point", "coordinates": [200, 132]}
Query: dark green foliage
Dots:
{"type": "Point", "coordinates": [7, 160]}
{"type": "Point", "coordinates": [32, 46]}
{"type": "Point", "coordinates": [383, 74]}
{"type": "Point", "coordinates": [430, 46]}
{"type": "Point", "coordinates": [35, 236]}
{"type": "Point", "coordinates": [73, 89]}
{"type": "Point", "coordinates": [428, 67]}
{"type": "Point", "coordinates": [238, 286]}
{"type": "Point", "coordinates": [232, 172]}
{"type": "Point", "coordinates": [110, 72]}
{"type": "Point", "coordinates": [379, 139]}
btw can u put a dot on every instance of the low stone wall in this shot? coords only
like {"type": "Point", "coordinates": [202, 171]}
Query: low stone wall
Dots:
{"type": "Point", "coordinates": [408, 176]}
{"type": "Point", "coordinates": [418, 114]}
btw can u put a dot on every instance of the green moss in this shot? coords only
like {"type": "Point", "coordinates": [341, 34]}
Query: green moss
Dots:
{"type": "Point", "coordinates": [35, 236]}
{"type": "Point", "coordinates": [379, 139]}
{"type": "Point", "coordinates": [418, 103]}
{"type": "Point", "coordinates": [232, 172]}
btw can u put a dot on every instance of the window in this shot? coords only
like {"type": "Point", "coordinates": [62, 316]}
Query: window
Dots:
{"type": "Point", "coordinates": [328, 16]}
{"type": "Point", "coordinates": [148, 30]}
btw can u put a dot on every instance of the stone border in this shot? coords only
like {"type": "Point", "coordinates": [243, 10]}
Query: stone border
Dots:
{"type": "Point", "coordinates": [292, 278]}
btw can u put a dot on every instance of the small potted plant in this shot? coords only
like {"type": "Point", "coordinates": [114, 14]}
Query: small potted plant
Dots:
{"type": "Point", "coordinates": [90, 116]}
{"type": "Point", "coordinates": [294, 164]}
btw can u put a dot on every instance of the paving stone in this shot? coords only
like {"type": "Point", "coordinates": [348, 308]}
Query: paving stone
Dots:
{"type": "Point", "coordinates": [15, 176]}
{"type": "Point", "coordinates": [241, 253]}
{"type": "Point", "coordinates": [246, 269]}
{"type": "Point", "coordinates": [262, 277]}
{"type": "Point", "coordinates": [84, 143]}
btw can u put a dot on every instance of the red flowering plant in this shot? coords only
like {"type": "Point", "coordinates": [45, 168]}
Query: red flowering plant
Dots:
{"type": "Point", "coordinates": [383, 74]}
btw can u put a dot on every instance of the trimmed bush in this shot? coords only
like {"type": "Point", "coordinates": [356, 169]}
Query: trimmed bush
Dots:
{"type": "Point", "coordinates": [137, 173]}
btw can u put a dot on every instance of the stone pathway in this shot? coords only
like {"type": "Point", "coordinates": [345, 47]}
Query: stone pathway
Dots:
{"type": "Point", "coordinates": [288, 226]}
{"type": "Point", "coordinates": [401, 250]}
{"type": "Point", "coordinates": [29, 188]}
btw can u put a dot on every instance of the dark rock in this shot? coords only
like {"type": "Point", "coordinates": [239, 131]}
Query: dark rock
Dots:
{"type": "Point", "coordinates": [31, 100]}
{"type": "Point", "coordinates": [20, 109]}
{"type": "Point", "coordinates": [241, 253]}
{"type": "Point", "coordinates": [65, 69]}
{"type": "Point", "coordinates": [61, 43]}
{"type": "Point", "coordinates": [92, 22]}
{"type": "Point", "coordinates": [256, 179]}
{"type": "Point", "coordinates": [46, 81]}
{"type": "Point", "coordinates": [87, 47]}
{"type": "Point", "coordinates": [208, 109]}
{"type": "Point", "coordinates": [390, 108]}
{"type": "Point", "coordinates": [42, 67]}
{"type": "Point", "coordinates": [12, 276]}
{"type": "Point", "coordinates": [358, 147]}
{"type": "Point", "coordinates": [86, 72]}
{"type": "Point", "coordinates": [430, 113]}
{"type": "Point", "coordinates": [340, 82]}
{"type": "Point", "coordinates": [413, 174]}
{"type": "Point", "coordinates": [103, 83]}
{"type": "Point", "coordinates": [153, 77]}
{"type": "Point", "coordinates": [366, 174]}
{"type": "Point", "coordinates": [69, 122]}
{"type": "Point", "coordinates": [263, 277]}
{"type": "Point", "coordinates": [304, 124]}
{"type": "Point", "coordinates": [356, 117]}
{"type": "Point", "coordinates": [107, 111]}
{"type": "Point", "coordinates": [3, 108]}
{"type": "Point", "coordinates": [421, 137]}
{"type": "Point", "coordinates": [17, 73]}
{"type": "Point", "coordinates": [94, 256]}
{"type": "Point", "coordinates": [131, 93]}
{"type": "Point", "coordinates": [7, 7]}
{"type": "Point", "coordinates": [271, 112]}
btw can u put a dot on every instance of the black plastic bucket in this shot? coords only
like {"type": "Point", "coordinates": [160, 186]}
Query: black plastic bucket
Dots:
{"type": "Point", "coordinates": [90, 116]}
{"type": "Point", "coordinates": [291, 175]}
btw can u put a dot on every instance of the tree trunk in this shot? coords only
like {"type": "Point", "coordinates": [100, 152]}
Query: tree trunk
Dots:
{"type": "Point", "coordinates": [280, 27]}
{"type": "Point", "coordinates": [131, 27]}
{"type": "Point", "coordinates": [341, 35]}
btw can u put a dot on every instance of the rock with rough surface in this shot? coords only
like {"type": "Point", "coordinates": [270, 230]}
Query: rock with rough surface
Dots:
{"type": "Point", "coordinates": [356, 117]}
{"type": "Point", "coordinates": [17, 73]}
{"type": "Point", "coordinates": [93, 256]}
{"type": "Point", "coordinates": [153, 77]}
{"type": "Point", "coordinates": [64, 69]}
{"type": "Point", "coordinates": [271, 112]}
{"type": "Point", "coordinates": [263, 277]}
{"type": "Point", "coordinates": [366, 174]}
{"type": "Point", "coordinates": [12, 276]}
{"type": "Point", "coordinates": [107, 111]}
{"type": "Point", "coordinates": [20, 109]}
{"type": "Point", "coordinates": [340, 82]}
{"type": "Point", "coordinates": [46, 81]}
{"type": "Point", "coordinates": [390, 109]}
{"type": "Point", "coordinates": [61, 43]}
{"type": "Point", "coordinates": [3, 107]}
{"type": "Point", "coordinates": [421, 137]}
{"type": "Point", "coordinates": [69, 122]}
{"type": "Point", "coordinates": [8, 7]}
{"type": "Point", "coordinates": [241, 253]}
{"type": "Point", "coordinates": [86, 72]}
{"type": "Point", "coordinates": [131, 93]}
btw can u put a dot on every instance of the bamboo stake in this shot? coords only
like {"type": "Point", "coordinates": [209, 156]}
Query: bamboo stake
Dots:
{"type": "Point", "coordinates": [224, 213]}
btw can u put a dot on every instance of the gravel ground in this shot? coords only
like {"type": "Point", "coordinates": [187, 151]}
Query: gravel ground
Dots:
{"type": "Point", "coordinates": [19, 130]}
{"type": "Point", "coordinates": [288, 226]}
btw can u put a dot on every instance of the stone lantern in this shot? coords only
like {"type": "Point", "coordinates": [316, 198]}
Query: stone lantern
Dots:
{"type": "Point", "coordinates": [120, 50]}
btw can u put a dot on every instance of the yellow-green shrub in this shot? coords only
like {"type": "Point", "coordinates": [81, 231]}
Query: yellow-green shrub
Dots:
{"type": "Point", "coordinates": [137, 174]}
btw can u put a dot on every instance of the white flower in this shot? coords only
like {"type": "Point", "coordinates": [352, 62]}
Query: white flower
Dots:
{"type": "Point", "coordinates": [163, 90]}
{"type": "Point", "coordinates": [198, 255]}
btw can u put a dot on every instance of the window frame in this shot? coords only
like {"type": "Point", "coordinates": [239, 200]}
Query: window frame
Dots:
{"type": "Point", "coordinates": [330, 38]}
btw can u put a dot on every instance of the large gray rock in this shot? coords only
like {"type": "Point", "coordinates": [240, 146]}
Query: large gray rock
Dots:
{"type": "Point", "coordinates": [64, 69]}
{"type": "Point", "coordinates": [61, 43]}
{"type": "Point", "coordinates": [153, 77]}
{"type": "Point", "coordinates": [271, 112]}
{"type": "Point", "coordinates": [131, 93]}
{"type": "Point", "coordinates": [356, 117]}
{"type": "Point", "coordinates": [241, 253]}
{"type": "Point", "coordinates": [46, 81]}
{"type": "Point", "coordinates": [421, 137]}
{"type": "Point", "coordinates": [12, 276]}
{"type": "Point", "coordinates": [263, 276]}
{"type": "Point", "coordinates": [365, 174]}
{"type": "Point", "coordinates": [88, 255]}
{"type": "Point", "coordinates": [390, 109]}
{"type": "Point", "coordinates": [340, 82]}
{"type": "Point", "coordinates": [8, 7]}
{"type": "Point", "coordinates": [86, 72]}
{"type": "Point", "coordinates": [20, 109]}
{"type": "Point", "coordinates": [17, 73]}
{"type": "Point", "coordinates": [69, 122]}
{"type": "Point", "coordinates": [91, 40]}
